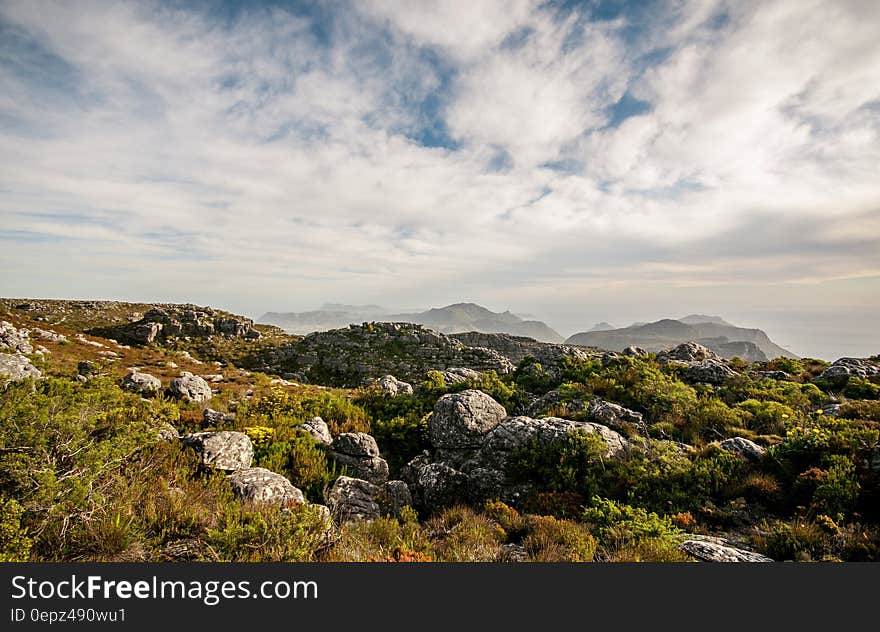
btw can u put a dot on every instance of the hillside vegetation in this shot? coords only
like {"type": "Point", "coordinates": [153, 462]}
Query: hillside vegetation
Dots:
{"type": "Point", "coordinates": [218, 445]}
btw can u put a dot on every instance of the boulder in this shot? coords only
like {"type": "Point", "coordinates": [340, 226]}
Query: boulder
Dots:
{"type": "Point", "coordinates": [86, 368]}
{"type": "Point", "coordinates": [614, 415]}
{"type": "Point", "coordinates": [391, 386]}
{"type": "Point", "coordinates": [259, 485]}
{"type": "Point", "coordinates": [317, 427]}
{"type": "Point", "coordinates": [841, 370]}
{"type": "Point", "coordinates": [710, 371]}
{"type": "Point", "coordinates": [458, 375]}
{"type": "Point", "coordinates": [687, 352]}
{"type": "Point", "coordinates": [14, 367]}
{"type": "Point", "coordinates": [16, 340]}
{"type": "Point", "coordinates": [141, 383]}
{"type": "Point", "coordinates": [222, 450]}
{"type": "Point", "coordinates": [461, 420]}
{"type": "Point", "coordinates": [358, 452]}
{"type": "Point", "coordinates": [393, 496]}
{"type": "Point", "coordinates": [353, 499]}
{"type": "Point", "coordinates": [211, 417]}
{"type": "Point", "coordinates": [356, 444]}
{"type": "Point", "coordinates": [774, 375]}
{"type": "Point", "coordinates": [190, 388]}
{"type": "Point", "coordinates": [634, 352]}
{"type": "Point", "coordinates": [167, 432]}
{"type": "Point", "coordinates": [717, 550]}
{"type": "Point", "coordinates": [743, 447]}
{"type": "Point", "coordinates": [438, 485]}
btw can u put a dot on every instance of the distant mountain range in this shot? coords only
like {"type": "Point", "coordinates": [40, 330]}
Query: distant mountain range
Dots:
{"type": "Point", "coordinates": [712, 331]}
{"type": "Point", "coordinates": [452, 319]}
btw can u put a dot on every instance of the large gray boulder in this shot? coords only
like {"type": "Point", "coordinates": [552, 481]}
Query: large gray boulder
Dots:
{"type": "Point", "coordinates": [141, 383]}
{"type": "Point", "coordinates": [14, 367]}
{"type": "Point", "coordinates": [614, 415]}
{"type": "Point", "coordinates": [393, 496]}
{"type": "Point", "coordinates": [223, 450]}
{"type": "Point", "coordinates": [461, 420]}
{"type": "Point", "coordinates": [391, 386]}
{"type": "Point", "coordinates": [438, 485]}
{"type": "Point", "coordinates": [17, 340]}
{"type": "Point", "coordinates": [259, 485]}
{"type": "Point", "coordinates": [358, 452]}
{"type": "Point", "coordinates": [317, 427]}
{"type": "Point", "coordinates": [718, 550]}
{"type": "Point", "coordinates": [841, 370]}
{"type": "Point", "coordinates": [356, 444]}
{"type": "Point", "coordinates": [743, 447]}
{"type": "Point", "coordinates": [687, 352]}
{"type": "Point", "coordinates": [459, 375]}
{"type": "Point", "coordinates": [709, 371]}
{"type": "Point", "coordinates": [353, 499]}
{"type": "Point", "coordinates": [190, 388]}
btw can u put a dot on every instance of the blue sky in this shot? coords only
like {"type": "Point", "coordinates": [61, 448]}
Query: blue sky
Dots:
{"type": "Point", "coordinates": [580, 161]}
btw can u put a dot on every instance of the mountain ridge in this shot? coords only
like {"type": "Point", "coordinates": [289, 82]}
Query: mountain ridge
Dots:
{"type": "Point", "coordinates": [454, 318]}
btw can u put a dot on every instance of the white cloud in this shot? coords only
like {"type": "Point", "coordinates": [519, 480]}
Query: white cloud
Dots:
{"type": "Point", "coordinates": [257, 151]}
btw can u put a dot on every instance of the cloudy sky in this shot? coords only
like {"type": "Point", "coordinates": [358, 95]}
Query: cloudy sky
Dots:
{"type": "Point", "coordinates": [577, 161]}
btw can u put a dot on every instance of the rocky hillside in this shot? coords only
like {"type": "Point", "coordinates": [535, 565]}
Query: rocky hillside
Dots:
{"type": "Point", "coordinates": [723, 338]}
{"type": "Point", "coordinates": [474, 447]}
{"type": "Point", "coordinates": [460, 317]}
{"type": "Point", "coordinates": [358, 352]}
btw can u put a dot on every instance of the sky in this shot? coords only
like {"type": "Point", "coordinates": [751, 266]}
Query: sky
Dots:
{"type": "Point", "coordinates": [577, 161]}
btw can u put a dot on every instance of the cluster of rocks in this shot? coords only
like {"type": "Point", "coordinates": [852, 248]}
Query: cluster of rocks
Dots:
{"type": "Point", "coordinates": [701, 363]}
{"type": "Point", "coordinates": [518, 348]}
{"type": "Point", "coordinates": [159, 324]}
{"type": "Point", "coordinates": [15, 340]}
{"type": "Point", "coordinates": [594, 409]}
{"type": "Point", "coordinates": [839, 373]}
{"type": "Point", "coordinates": [233, 453]}
{"type": "Point", "coordinates": [355, 354]}
{"type": "Point", "coordinates": [14, 365]}
{"type": "Point", "coordinates": [186, 387]}
{"type": "Point", "coordinates": [473, 439]}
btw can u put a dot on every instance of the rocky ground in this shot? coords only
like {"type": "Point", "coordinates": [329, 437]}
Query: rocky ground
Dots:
{"type": "Point", "coordinates": [391, 441]}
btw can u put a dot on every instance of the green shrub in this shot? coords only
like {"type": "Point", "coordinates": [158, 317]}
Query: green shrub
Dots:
{"type": "Point", "coordinates": [574, 463]}
{"type": "Point", "coordinates": [268, 534]}
{"type": "Point", "coordinates": [837, 488]}
{"type": "Point", "coordinates": [61, 443]}
{"type": "Point", "coordinates": [284, 410]}
{"type": "Point", "coordinates": [302, 460]}
{"type": "Point", "coordinates": [857, 388]}
{"type": "Point", "coordinates": [15, 545]}
{"type": "Point", "coordinates": [860, 410]}
{"type": "Point", "coordinates": [552, 540]}
{"type": "Point", "coordinates": [401, 438]}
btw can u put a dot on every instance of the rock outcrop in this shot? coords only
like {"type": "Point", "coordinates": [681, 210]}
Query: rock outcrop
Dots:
{"type": "Point", "coordinates": [615, 416]}
{"type": "Point", "coordinates": [357, 353]}
{"type": "Point", "coordinates": [15, 340]}
{"type": "Point", "coordinates": [318, 429]}
{"type": "Point", "coordinates": [162, 323]}
{"type": "Point", "coordinates": [744, 447]}
{"type": "Point", "coordinates": [222, 450]}
{"type": "Point", "coordinates": [709, 371]}
{"type": "Point", "coordinates": [14, 367]}
{"type": "Point", "coordinates": [190, 388]}
{"type": "Point", "coordinates": [356, 499]}
{"type": "Point", "coordinates": [718, 550]}
{"type": "Point", "coordinates": [259, 485]}
{"type": "Point", "coordinates": [473, 441]}
{"type": "Point", "coordinates": [840, 371]}
{"type": "Point", "coordinates": [358, 452]}
{"type": "Point", "coordinates": [391, 386]}
{"type": "Point", "coordinates": [461, 420]}
{"type": "Point", "coordinates": [687, 352]}
{"type": "Point", "coordinates": [142, 383]}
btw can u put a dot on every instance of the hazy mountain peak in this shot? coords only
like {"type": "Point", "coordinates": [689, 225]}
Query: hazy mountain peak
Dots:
{"type": "Point", "coordinates": [696, 319]}
{"type": "Point", "coordinates": [603, 326]}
